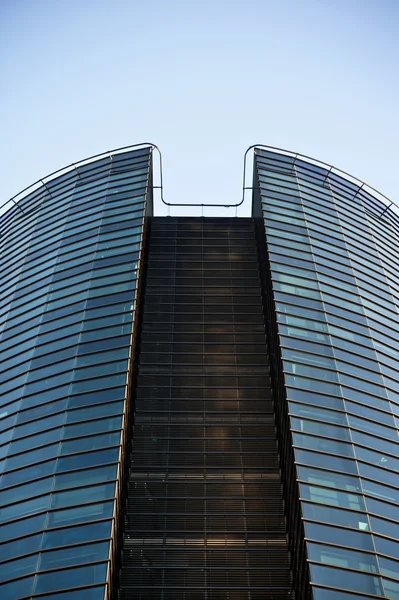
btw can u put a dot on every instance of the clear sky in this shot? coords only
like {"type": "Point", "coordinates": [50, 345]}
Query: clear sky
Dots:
{"type": "Point", "coordinates": [203, 80]}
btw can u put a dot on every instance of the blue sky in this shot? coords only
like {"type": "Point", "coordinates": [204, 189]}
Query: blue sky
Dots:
{"type": "Point", "coordinates": [203, 80]}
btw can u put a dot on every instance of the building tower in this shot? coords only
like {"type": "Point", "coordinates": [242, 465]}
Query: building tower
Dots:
{"type": "Point", "coordinates": [199, 408]}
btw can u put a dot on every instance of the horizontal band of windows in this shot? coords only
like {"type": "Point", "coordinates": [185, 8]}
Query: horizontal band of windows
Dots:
{"type": "Point", "coordinates": [34, 308]}
{"type": "Point", "coordinates": [104, 278]}
{"type": "Point", "coordinates": [66, 498]}
{"type": "Point", "coordinates": [68, 578]}
{"type": "Point", "coordinates": [117, 223]}
{"type": "Point", "coordinates": [88, 288]}
{"type": "Point", "coordinates": [96, 246]}
{"type": "Point", "coordinates": [133, 199]}
{"type": "Point", "coordinates": [318, 459]}
{"type": "Point", "coordinates": [363, 402]}
{"type": "Point", "coordinates": [56, 400]}
{"type": "Point", "coordinates": [335, 429]}
{"type": "Point", "coordinates": [302, 363]}
{"type": "Point", "coordinates": [324, 355]}
{"type": "Point", "coordinates": [48, 476]}
{"type": "Point", "coordinates": [119, 308]}
{"type": "Point", "coordinates": [357, 329]}
{"type": "Point", "coordinates": [82, 364]}
{"type": "Point", "coordinates": [79, 310]}
{"type": "Point", "coordinates": [55, 559]}
{"type": "Point", "coordinates": [363, 424]}
{"type": "Point", "coordinates": [340, 470]}
{"type": "Point", "coordinates": [100, 258]}
{"type": "Point", "coordinates": [339, 536]}
{"type": "Point", "coordinates": [38, 443]}
{"type": "Point", "coordinates": [60, 189]}
{"type": "Point", "coordinates": [67, 252]}
{"type": "Point", "coordinates": [111, 314]}
{"type": "Point", "coordinates": [339, 516]}
{"type": "Point", "coordinates": [301, 402]}
{"type": "Point", "coordinates": [327, 498]}
{"type": "Point", "coordinates": [281, 205]}
{"type": "Point", "coordinates": [287, 233]}
{"type": "Point", "coordinates": [104, 431]}
{"type": "Point", "coordinates": [90, 303]}
{"type": "Point", "coordinates": [50, 539]}
{"type": "Point", "coordinates": [77, 257]}
{"type": "Point", "coordinates": [48, 482]}
{"type": "Point", "coordinates": [76, 416]}
{"type": "Point", "coordinates": [343, 578]}
{"type": "Point", "coordinates": [300, 379]}
{"type": "Point", "coordinates": [369, 462]}
{"type": "Point", "coordinates": [95, 277]}
{"type": "Point", "coordinates": [44, 346]}
{"type": "Point", "coordinates": [82, 376]}
{"type": "Point", "coordinates": [322, 444]}
{"type": "Point", "coordinates": [349, 348]}
{"type": "Point", "coordinates": [279, 176]}
{"type": "Point", "coordinates": [37, 242]}
{"type": "Point", "coordinates": [92, 264]}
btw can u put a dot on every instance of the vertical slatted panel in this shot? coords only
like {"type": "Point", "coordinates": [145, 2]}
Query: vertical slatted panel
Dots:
{"type": "Point", "coordinates": [204, 515]}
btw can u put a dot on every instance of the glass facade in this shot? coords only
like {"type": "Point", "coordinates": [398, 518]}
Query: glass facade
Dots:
{"type": "Point", "coordinates": [333, 260]}
{"type": "Point", "coordinates": [70, 259]}
{"type": "Point", "coordinates": [73, 257]}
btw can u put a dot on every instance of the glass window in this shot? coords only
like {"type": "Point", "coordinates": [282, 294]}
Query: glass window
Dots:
{"type": "Point", "coordinates": [80, 495]}
{"type": "Point", "coordinates": [85, 477]}
{"type": "Point", "coordinates": [377, 458]}
{"type": "Point", "coordinates": [73, 555]}
{"type": "Point", "coordinates": [97, 397]}
{"type": "Point", "coordinates": [342, 557]}
{"type": "Point", "coordinates": [92, 412]}
{"type": "Point", "coordinates": [22, 527]}
{"type": "Point", "coordinates": [326, 594]}
{"type": "Point", "coordinates": [373, 428]}
{"type": "Point", "coordinates": [319, 428]}
{"type": "Point", "coordinates": [386, 546]}
{"type": "Point", "coordinates": [337, 535]}
{"type": "Point", "coordinates": [91, 443]}
{"type": "Point", "coordinates": [385, 527]}
{"type": "Point", "coordinates": [30, 442]}
{"type": "Point", "coordinates": [75, 535]}
{"type": "Point", "coordinates": [21, 546]}
{"type": "Point", "coordinates": [21, 509]}
{"type": "Point", "coordinates": [322, 444]}
{"type": "Point", "coordinates": [326, 461]}
{"type": "Point", "coordinates": [335, 516]}
{"type": "Point", "coordinates": [18, 567]}
{"type": "Point", "coordinates": [97, 383]}
{"type": "Point", "coordinates": [329, 479]}
{"type": "Point", "coordinates": [92, 593]}
{"type": "Point", "coordinates": [87, 459]}
{"type": "Point", "coordinates": [349, 580]}
{"type": "Point", "coordinates": [81, 514]}
{"type": "Point", "coordinates": [78, 576]}
{"type": "Point", "coordinates": [315, 399]}
{"type": "Point", "coordinates": [17, 589]}
{"type": "Point", "coordinates": [391, 569]}
{"type": "Point", "coordinates": [313, 385]}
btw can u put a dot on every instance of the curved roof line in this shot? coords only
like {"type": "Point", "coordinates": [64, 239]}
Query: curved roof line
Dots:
{"type": "Point", "coordinates": [109, 153]}
{"type": "Point", "coordinates": [362, 185]}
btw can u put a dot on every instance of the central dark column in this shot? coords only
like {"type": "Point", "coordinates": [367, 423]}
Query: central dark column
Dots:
{"type": "Point", "coordinates": [204, 515]}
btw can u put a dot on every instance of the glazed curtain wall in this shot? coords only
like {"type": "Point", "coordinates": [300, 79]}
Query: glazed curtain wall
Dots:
{"type": "Point", "coordinates": [334, 260]}
{"type": "Point", "coordinates": [69, 265]}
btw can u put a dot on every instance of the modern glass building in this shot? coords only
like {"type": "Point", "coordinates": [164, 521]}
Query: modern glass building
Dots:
{"type": "Point", "coordinates": [199, 408]}
{"type": "Point", "coordinates": [70, 263]}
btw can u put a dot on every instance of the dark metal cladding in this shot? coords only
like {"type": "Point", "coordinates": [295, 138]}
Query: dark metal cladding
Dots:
{"type": "Point", "coordinates": [204, 510]}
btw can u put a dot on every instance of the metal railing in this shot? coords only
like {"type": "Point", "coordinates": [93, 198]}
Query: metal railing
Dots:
{"type": "Point", "coordinates": [362, 186]}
